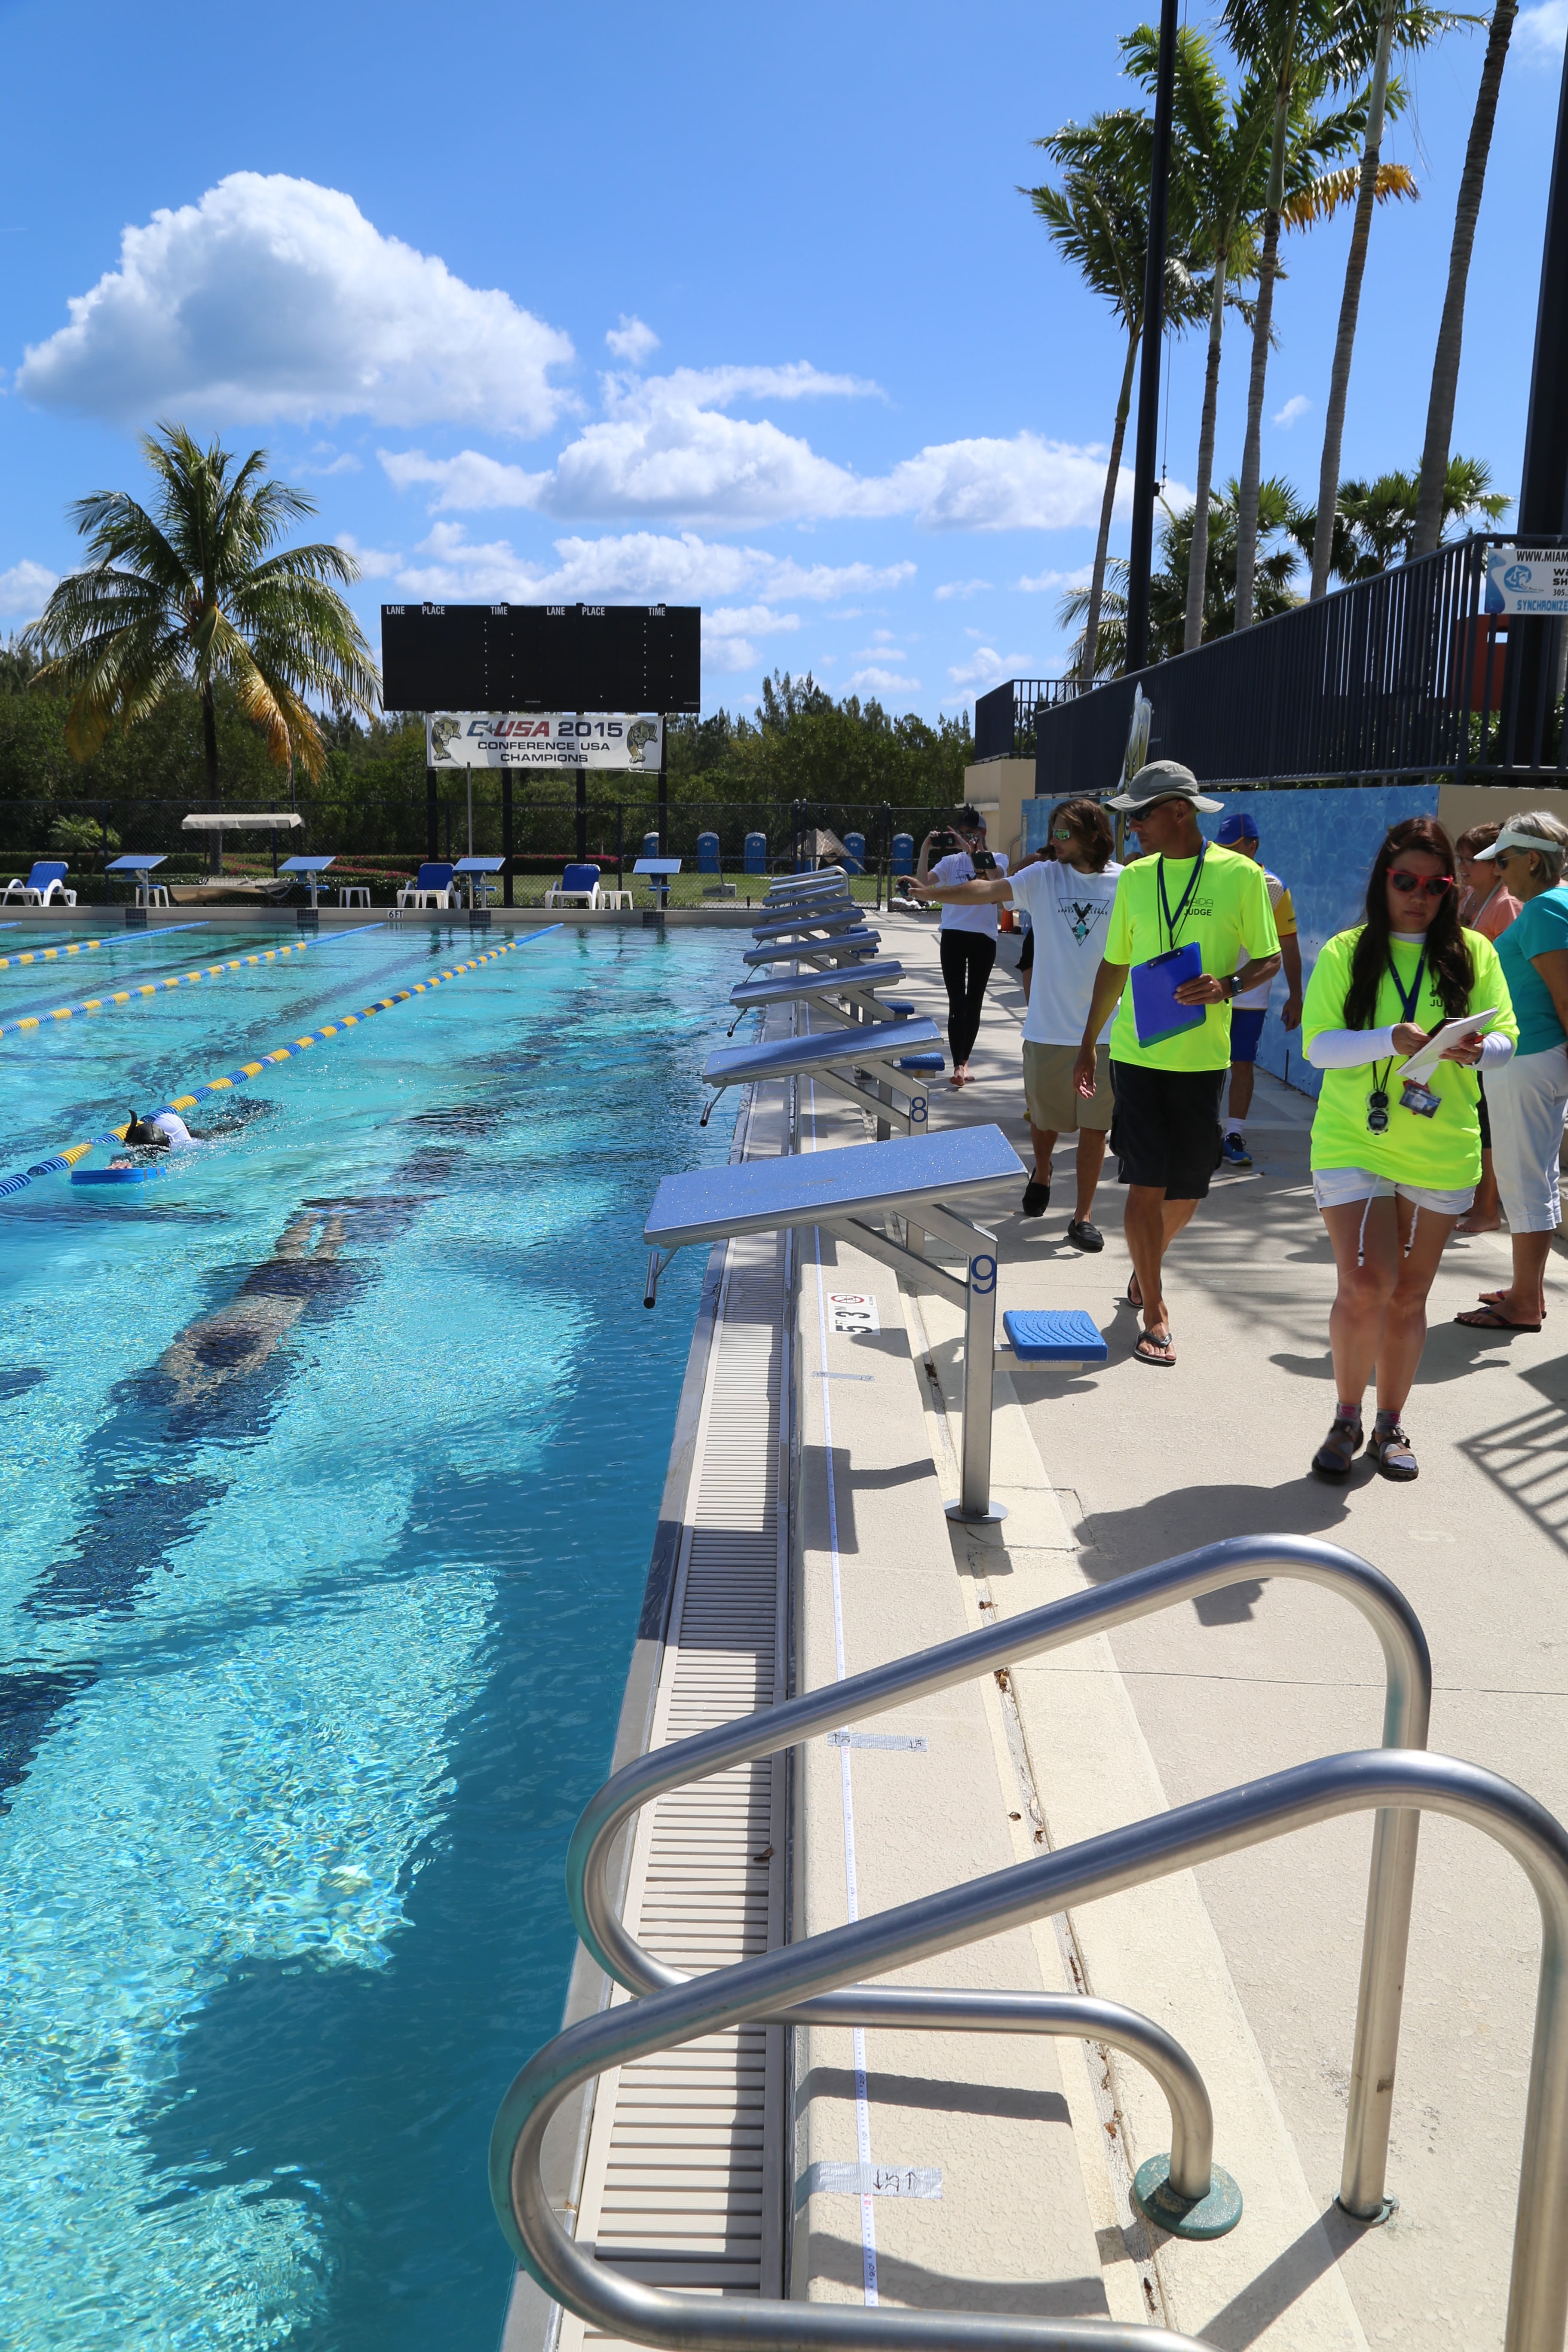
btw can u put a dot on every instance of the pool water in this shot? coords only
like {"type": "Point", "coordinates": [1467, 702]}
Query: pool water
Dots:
{"type": "Point", "coordinates": [331, 1470]}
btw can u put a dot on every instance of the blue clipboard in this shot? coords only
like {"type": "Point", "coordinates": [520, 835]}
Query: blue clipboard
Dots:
{"type": "Point", "coordinates": [1156, 1011]}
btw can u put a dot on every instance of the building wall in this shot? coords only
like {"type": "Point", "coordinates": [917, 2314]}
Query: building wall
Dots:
{"type": "Point", "coordinates": [998, 788]}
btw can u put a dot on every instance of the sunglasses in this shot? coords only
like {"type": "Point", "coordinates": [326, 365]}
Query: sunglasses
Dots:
{"type": "Point", "coordinates": [1434, 885]}
{"type": "Point", "coordinates": [1061, 832]}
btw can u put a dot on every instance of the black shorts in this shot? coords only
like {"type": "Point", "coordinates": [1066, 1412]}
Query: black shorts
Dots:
{"type": "Point", "coordinates": [1166, 1129]}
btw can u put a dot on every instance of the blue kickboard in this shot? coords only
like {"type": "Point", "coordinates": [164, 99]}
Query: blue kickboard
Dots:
{"type": "Point", "coordinates": [920, 1062]}
{"type": "Point", "coordinates": [116, 1175]}
{"type": "Point", "coordinates": [1054, 1335]}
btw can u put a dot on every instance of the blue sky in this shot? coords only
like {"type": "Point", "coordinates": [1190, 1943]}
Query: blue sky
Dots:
{"type": "Point", "coordinates": [719, 305]}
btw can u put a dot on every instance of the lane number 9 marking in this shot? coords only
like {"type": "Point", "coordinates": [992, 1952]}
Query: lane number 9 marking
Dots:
{"type": "Point", "coordinates": [983, 1275]}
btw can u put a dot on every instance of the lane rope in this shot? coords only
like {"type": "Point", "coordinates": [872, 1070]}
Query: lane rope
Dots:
{"type": "Point", "coordinates": [11, 1185]}
{"type": "Point", "coordinates": [148, 988]}
{"type": "Point", "coordinates": [126, 939]}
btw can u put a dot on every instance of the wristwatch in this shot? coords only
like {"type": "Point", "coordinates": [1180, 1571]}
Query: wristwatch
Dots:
{"type": "Point", "coordinates": [1235, 986]}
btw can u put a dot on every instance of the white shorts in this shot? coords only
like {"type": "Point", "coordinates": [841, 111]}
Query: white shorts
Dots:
{"type": "Point", "coordinates": [1335, 1188]}
{"type": "Point", "coordinates": [1526, 1099]}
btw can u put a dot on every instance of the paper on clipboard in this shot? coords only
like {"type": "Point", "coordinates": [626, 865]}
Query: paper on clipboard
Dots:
{"type": "Point", "coordinates": [1425, 1059]}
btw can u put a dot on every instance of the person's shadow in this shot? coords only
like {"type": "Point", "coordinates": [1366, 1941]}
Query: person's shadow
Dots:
{"type": "Point", "coordinates": [1191, 1516]}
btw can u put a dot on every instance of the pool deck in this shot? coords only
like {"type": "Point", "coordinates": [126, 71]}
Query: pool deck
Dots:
{"type": "Point", "coordinates": [1251, 1962]}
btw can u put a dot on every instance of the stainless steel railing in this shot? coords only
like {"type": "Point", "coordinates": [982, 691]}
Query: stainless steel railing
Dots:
{"type": "Point", "coordinates": [780, 1984]}
{"type": "Point", "coordinates": [1406, 1713]}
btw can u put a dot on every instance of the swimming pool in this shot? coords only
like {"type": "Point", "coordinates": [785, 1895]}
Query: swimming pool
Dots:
{"type": "Point", "coordinates": [332, 1468]}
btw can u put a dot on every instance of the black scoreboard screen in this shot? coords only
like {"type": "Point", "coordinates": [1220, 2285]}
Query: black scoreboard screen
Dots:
{"type": "Point", "coordinates": [541, 658]}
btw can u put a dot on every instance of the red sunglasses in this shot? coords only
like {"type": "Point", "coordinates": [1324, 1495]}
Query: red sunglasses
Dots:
{"type": "Point", "coordinates": [1434, 885]}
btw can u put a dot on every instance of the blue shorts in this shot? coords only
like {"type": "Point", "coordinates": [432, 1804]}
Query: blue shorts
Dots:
{"type": "Point", "coordinates": [1245, 1029]}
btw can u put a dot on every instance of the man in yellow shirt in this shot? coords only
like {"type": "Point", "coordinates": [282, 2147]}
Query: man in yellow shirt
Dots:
{"type": "Point", "coordinates": [1190, 930]}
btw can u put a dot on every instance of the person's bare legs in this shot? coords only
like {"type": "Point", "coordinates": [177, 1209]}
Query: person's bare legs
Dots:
{"type": "Point", "coordinates": [1484, 1215]}
{"type": "Point", "coordinates": [1150, 1224]}
{"type": "Point", "coordinates": [1044, 1139]}
{"type": "Point", "coordinates": [1365, 1240]}
{"type": "Point", "coordinates": [1524, 1300]}
{"type": "Point", "coordinates": [1241, 1075]}
{"type": "Point", "coordinates": [1404, 1318]}
{"type": "Point", "coordinates": [1091, 1160]}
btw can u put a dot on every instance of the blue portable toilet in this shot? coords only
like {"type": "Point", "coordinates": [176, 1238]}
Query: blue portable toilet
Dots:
{"type": "Point", "coordinates": [756, 852]}
{"type": "Point", "coordinates": [854, 846]}
{"type": "Point", "coordinates": [651, 847]}
{"type": "Point", "coordinates": [708, 853]}
{"type": "Point", "coordinates": [903, 853]}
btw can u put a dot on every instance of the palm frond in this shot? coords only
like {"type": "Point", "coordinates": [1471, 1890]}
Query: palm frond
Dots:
{"type": "Point", "coordinates": [1336, 191]}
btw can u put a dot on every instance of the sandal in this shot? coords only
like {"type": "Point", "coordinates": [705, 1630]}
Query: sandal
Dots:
{"type": "Point", "coordinates": [1490, 1318]}
{"type": "Point", "coordinates": [1134, 1294]}
{"type": "Point", "coordinates": [1340, 1448]}
{"type": "Point", "coordinates": [1154, 1348]}
{"type": "Point", "coordinates": [1390, 1449]}
{"type": "Point", "coordinates": [1496, 1297]}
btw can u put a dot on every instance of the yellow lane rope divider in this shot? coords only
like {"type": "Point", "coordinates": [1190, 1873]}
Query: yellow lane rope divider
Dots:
{"type": "Point", "coordinates": [247, 1070]}
{"type": "Point", "coordinates": [150, 988]}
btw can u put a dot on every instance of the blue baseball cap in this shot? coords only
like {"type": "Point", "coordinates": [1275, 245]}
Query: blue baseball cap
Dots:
{"type": "Point", "coordinates": [1239, 827]}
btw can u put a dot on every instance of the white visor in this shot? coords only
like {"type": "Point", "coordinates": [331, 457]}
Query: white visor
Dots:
{"type": "Point", "coordinates": [1509, 839]}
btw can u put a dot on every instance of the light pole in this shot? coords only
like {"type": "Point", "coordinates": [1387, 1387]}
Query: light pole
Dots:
{"type": "Point", "coordinates": [1140, 558]}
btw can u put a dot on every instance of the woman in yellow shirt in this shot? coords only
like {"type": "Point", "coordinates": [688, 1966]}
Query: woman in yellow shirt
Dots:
{"type": "Point", "coordinates": [1394, 1162]}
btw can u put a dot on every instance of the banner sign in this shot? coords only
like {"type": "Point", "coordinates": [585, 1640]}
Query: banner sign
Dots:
{"type": "Point", "coordinates": [536, 739]}
{"type": "Point", "coordinates": [1527, 579]}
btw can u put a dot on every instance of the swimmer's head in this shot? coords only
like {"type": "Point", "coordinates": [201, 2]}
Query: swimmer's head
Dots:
{"type": "Point", "coordinates": [143, 1131]}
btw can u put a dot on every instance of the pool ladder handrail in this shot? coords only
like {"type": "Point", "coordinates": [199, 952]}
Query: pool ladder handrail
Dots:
{"type": "Point", "coordinates": [785, 1983]}
{"type": "Point", "coordinates": [1407, 1706]}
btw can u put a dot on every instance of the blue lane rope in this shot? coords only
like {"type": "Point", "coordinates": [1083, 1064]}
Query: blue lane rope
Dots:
{"type": "Point", "coordinates": [11, 1185]}
{"type": "Point", "coordinates": [82, 947]}
{"type": "Point", "coordinates": [147, 988]}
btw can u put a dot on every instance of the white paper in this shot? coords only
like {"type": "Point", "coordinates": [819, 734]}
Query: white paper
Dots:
{"type": "Point", "coordinates": [1422, 1062]}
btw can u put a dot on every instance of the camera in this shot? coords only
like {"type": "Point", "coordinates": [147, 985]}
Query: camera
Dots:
{"type": "Point", "coordinates": [946, 841]}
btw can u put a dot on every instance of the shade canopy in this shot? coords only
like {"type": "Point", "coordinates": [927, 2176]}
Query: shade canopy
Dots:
{"type": "Point", "coordinates": [243, 820]}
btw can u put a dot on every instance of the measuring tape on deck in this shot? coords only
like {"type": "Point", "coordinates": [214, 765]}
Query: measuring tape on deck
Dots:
{"type": "Point", "coordinates": [150, 988]}
{"type": "Point", "coordinates": [11, 1185]}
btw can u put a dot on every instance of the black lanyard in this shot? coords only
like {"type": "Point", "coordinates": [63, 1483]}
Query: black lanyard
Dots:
{"type": "Point", "coordinates": [1172, 922]}
{"type": "Point", "coordinates": [1377, 1101]}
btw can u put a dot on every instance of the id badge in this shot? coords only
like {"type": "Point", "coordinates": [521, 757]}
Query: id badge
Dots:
{"type": "Point", "coordinates": [1418, 1098]}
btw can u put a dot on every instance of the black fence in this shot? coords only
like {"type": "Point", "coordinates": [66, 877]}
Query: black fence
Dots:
{"type": "Point", "coordinates": [1406, 674]}
{"type": "Point", "coordinates": [1005, 720]}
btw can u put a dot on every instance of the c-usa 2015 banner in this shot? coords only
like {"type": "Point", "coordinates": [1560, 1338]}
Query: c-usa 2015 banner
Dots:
{"type": "Point", "coordinates": [536, 739]}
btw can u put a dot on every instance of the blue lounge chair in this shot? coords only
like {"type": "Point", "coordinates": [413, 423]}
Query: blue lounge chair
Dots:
{"type": "Point", "coordinates": [578, 887]}
{"type": "Point", "coordinates": [431, 886]}
{"type": "Point", "coordinates": [47, 877]}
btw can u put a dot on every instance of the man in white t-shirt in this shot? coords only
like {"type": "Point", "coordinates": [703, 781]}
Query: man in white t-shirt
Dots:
{"type": "Point", "coordinates": [968, 941]}
{"type": "Point", "coordinates": [1068, 898]}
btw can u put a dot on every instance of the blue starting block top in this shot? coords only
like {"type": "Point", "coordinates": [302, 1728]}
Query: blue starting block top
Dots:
{"type": "Point", "coordinates": [799, 951]}
{"type": "Point", "coordinates": [656, 865]}
{"type": "Point", "coordinates": [761, 1196]}
{"type": "Point", "coordinates": [479, 865]}
{"type": "Point", "coordinates": [133, 862]}
{"type": "Point", "coordinates": [747, 993]}
{"type": "Point", "coordinates": [870, 1041]}
{"type": "Point", "coordinates": [897, 1004]}
{"type": "Point", "coordinates": [919, 1061]}
{"type": "Point", "coordinates": [1053, 1335]}
{"type": "Point", "coordinates": [307, 864]}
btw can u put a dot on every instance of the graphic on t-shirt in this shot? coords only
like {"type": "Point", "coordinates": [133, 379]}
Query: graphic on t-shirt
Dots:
{"type": "Point", "coordinates": [1082, 916]}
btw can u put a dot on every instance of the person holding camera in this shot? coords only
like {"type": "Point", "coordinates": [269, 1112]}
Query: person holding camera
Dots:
{"type": "Point", "coordinates": [968, 940]}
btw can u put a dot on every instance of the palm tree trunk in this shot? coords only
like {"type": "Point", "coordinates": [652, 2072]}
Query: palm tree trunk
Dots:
{"type": "Point", "coordinates": [209, 740]}
{"type": "Point", "coordinates": [1252, 449]}
{"type": "Point", "coordinates": [1451, 330]}
{"type": "Point", "coordinates": [1198, 560]}
{"type": "Point", "coordinates": [1087, 662]}
{"type": "Point", "coordinates": [1350, 306]}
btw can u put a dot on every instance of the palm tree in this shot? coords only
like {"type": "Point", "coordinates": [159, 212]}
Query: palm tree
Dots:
{"type": "Point", "coordinates": [1451, 328]}
{"type": "Point", "coordinates": [190, 594]}
{"type": "Point", "coordinates": [1374, 522]}
{"type": "Point", "coordinates": [1411, 28]}
{"type": "Point", "coordinates": [1098, 219]}
{"type": "Point", "coordinates": [1279, 516]}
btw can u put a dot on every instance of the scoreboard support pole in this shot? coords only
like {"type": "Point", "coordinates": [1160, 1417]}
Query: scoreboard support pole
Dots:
{"type": "Point", "coordinates": [507, 899]}
{"type": "Point", "coordinates": [582, 816]}
{"type": "Point", "coordinates": [663, 786]}
{"type": "Point", "coordinates": [432, 846]}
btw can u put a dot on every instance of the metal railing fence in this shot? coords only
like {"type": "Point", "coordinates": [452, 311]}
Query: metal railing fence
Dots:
{"type": "Point", "coordinates": [1005, 722]}
{"type": "Point", "coordinates": [1405, 675]}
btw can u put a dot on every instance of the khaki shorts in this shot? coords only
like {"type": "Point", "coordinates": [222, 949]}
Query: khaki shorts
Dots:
{"type": "Point", "coordinates": [1054, 1103]}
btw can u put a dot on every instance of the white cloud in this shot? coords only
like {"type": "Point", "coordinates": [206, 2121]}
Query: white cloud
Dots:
{"type": "Point", "coordinates": [637, 566]}
{"type": "Point", "coordinates": [632, 341]}
{"type": "Point", "coordinates": [989, 667]}
{"type": "Point", "coordinates": [879, 651]}
{"type": "Point", "coordinates": [1541, 31]}
{"type": "Point", "coordinates": [1298, 405]}
{"type": "Point", "coordinates": [375, 563]}
{"type": "Point", "coordinates": [952, 588]}
{"type": "Point", "coordinates": [1043, 582]}
{"type": "Point", "coordinates": [24, 588]}
{"type": "Point", "coordinates": [276, 299]}
{"type": "Point", "coordinates": [880, 681]}
{"type": "Point", "coordinates": [471, 481]}
{"type": "Point", "coordinates": [327, 458]}
{"type": "Point", "coordinates": [727, 632]}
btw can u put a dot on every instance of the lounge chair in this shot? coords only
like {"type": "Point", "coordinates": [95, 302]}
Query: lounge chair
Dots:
{"type": "Point", "coordinates": [47, 877]}
{"type": "Point", "coordinates": [431, 886]}
{"type": "Point", "coordinates": [578, 887]}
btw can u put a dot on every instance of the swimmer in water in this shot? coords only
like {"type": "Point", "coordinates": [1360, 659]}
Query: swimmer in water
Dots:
{"type": "Point", "coordinates": [167, 1132]}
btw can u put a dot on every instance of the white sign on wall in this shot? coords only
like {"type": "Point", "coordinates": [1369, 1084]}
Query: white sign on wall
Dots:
{"type": "Point", "coordinates": [1527, 579]}
{"type": "Point", "coordinates": [536, 739]}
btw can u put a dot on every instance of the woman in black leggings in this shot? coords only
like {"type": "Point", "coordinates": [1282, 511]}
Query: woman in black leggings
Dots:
{"type": "Point", "coordinates": [968, 943]}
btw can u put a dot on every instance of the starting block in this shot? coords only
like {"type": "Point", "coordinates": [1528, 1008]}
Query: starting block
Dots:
{"type": "Point", "coordinates": [1054, 1335]}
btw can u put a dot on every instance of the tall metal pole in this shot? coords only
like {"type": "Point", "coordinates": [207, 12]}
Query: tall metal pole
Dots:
{"type": "Point", "coordinates": [664, 784]}
{"type": "Point", "coordinates": [1543, 486]}
{"type": "Point", "coordinates": [1141, 551]}
{"type": "Point", "coordinates": [508, 894]}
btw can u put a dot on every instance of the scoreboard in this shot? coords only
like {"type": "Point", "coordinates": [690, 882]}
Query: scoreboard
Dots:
{"type": "Point", "coordinates": [518, 658]}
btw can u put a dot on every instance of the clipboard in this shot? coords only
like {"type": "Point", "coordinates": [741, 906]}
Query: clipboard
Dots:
{"type": "Point", "coordinates": [1425, 1059]}
{"type": "Point", "coordinates": [1155, 1012]}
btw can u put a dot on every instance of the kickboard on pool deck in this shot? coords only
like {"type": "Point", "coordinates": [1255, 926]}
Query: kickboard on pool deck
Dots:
{"type": "Point", "coordinates": [1054, 1335]}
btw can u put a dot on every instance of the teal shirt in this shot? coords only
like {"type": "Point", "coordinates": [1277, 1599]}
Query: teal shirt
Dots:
{"type": "Point", "coordinates": [1540, 927]}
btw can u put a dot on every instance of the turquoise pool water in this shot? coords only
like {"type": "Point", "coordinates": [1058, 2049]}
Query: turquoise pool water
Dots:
{"type": "Point", "coordinates": [331, 1468]}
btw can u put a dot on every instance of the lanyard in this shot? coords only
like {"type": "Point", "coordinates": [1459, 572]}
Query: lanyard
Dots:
{"type": "Point", "coordinates": [1172, 922]}
{"type": "Point", "coordinates": [1408, 999]}
{"type": "Point", "coordinates": [1377, 1101]}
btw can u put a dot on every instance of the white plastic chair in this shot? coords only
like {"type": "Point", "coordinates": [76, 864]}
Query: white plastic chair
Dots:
{"type": "Point", "coordinates": [38, 891]}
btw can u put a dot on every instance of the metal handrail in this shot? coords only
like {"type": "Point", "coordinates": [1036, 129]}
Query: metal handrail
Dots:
{"type": "Point", "coordinates": [1407, 1714]}
{"type": "Point", "coordinates": [776, 1984]}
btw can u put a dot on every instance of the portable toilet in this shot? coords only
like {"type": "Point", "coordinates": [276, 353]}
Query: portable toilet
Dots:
{"type": "Point", "coordinates": [651, 847]}
{"type": "Point", "coordinates": [903, 853]}
{"type": "Point", "coordinates": [756, 852]}
{"type": "Point", "coordinates": [708, 853]}
{"type": "Point", "coordinates": [854, 849]}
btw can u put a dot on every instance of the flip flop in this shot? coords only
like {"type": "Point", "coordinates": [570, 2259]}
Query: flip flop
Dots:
{"type": "Point", "coordinates": [1134, 1292]}
{"type": "Point", "coordinates": [1488, 1319]}
{"type": "Point", "coordinates": [1152, 1349]}
{"type": "Point", "coordinates": [1496, 1297]}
